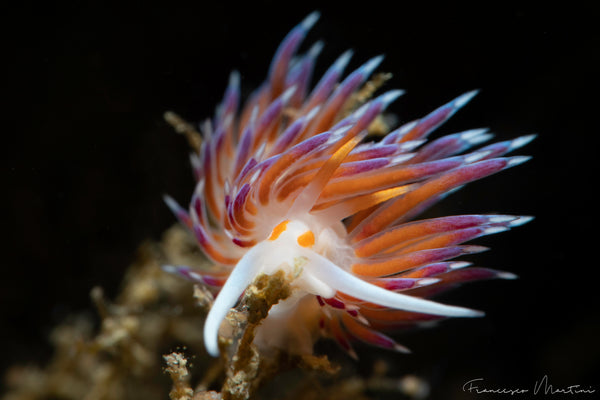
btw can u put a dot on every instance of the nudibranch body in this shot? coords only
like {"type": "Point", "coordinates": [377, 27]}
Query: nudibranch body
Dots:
{"type": "Point", "coordinates": [290, 183]}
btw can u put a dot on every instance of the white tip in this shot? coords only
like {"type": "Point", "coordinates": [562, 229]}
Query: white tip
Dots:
{"type": "Point", "coordinates": [199, 189]}
{"type": "Point", "coordinates": [258, 153]}
{"type": "Point", "coordinates": [206, 129]}
{"type": "Point", "coordinates": [287, 95]}
{"type": "Point", "coordinates": [311, 114]}
{"type": "Point", "coordinates": [507, 275]}
{"type": "Point", "coordinates": [195, 161]}
{"type": "Point", "coordinates": [474, 249]}
{"type": "Point", "coordinates": [516, 160]}
{"type": "Point", "coordinates": [371, 65]}
{"type": "Point", "coordinates": [428, 281]}
{"type": "Point", "coordinates": [522, 220]}
{"type": "Point", "coordinates": [494, 229]}
{"type": "Point", "coordinates": [228, 120]}
{"type": "Point", "coordinates": [362, 319]}
{"type": "Point", "coordinates": [407, 127]}
{"type": "Point", "coordinates": [310, 20]}
{"type": "Point", "coordinates": [464, 99]}
{"type": "Point", "coordinates": [338, 133]}
{"type": "Point", "coordinates": [254, 114]}
{"type": "Point", "coordinates": [476, 136]}
{"type": "Point", "coordinates": [498, 219]}
{"type": "Point", "coordinates": [412, 144]}
{"type": "Point", "coordinates": [522, 141]}
{"type": "Point", "coordinates": [402, 349]}
{"type": "Point", "coordinates": [171, 203]}
{"type": "Point", "coordinates": [254, 177]}
{"type": "Point", "coordinates": [476, 156]}
{"type": "Point", "coordinates": [315, 49]}
{"type": "Point", "coordinates": [389, 97]}
{"type": "Point", "coordinates": [401, 158]}
{"type": "Point", "coordinates": [472, 133]}
{"type": "Point", "coordinates": [480, 139]}
{"type": "Point", "coordinates": [171, 269]}
{"type": "Point", "coordinates": [459, 264]}
{"type": "Point", "coordinates": [234, 79]}
{"type": "Point", "coordinates": [343, 60]}
{"type": "Point", "coordinates": [359, 113]}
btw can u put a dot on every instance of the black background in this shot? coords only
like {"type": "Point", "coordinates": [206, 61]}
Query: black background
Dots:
{"type": "Point", "coordinates": [87, 157]}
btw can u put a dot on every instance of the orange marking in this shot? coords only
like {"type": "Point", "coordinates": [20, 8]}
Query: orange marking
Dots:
{"type": "Point", "coordinates": [381, 179]}
{"type": "Point", "coordinates": [307, 239]}
{"type": "Point", "coordinates": [400, 235]}
{"type": "Point", "coordinates": [388, 214]}
{"type": "Point", "coordinates": [270, 175]}
{"type": "Point", "coordinates": [358, 203]}
{"type": "Point", "coordinates": [327, 115]}
{"type": "Point", "coordinates": [315, 187]}
{"type": "Point", "coordinates": [251, 208]}
{"type": "Point", "coordinates": [278, 230]}
{"type": "Point", "coordinates": [358, 218]}
{"type": "Point", "coordinates": [294, 184]}
{"type": "Point", "coordinates": [428, 242]}
{"type": "Point", "coordinates": [390, 266]}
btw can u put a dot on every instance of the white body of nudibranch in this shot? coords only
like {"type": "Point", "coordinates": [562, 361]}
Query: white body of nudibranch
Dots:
{"type": "Point", "coordinates": [315, 259]}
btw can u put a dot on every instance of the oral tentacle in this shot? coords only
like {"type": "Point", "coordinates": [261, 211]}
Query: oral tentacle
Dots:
{"type": "Point", "coordinates": [241, 276]}
{"type": "Point", "coordinates": [343, 281]}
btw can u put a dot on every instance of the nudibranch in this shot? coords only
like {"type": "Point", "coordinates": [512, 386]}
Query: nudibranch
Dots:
{"type": "Point", "coordinates": [293, 182]}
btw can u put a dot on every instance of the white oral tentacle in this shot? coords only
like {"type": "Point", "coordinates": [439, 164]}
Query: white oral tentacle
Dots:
{"type": "Point", "coordinates": [242, 275]}
{"type": "Point", "coordinates": [341, 280]}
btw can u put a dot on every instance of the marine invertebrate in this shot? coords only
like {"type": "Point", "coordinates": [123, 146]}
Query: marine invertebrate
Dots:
{"type": "Point", "coordinates": [290, 184]}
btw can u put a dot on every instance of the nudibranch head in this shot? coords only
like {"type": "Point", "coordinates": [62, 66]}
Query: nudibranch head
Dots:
{"type": "Point", "coordinates": [289, 183]}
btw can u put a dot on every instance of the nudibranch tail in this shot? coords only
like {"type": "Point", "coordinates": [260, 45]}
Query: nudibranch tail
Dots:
{"type": "Point", "coordinates": [291, 180]}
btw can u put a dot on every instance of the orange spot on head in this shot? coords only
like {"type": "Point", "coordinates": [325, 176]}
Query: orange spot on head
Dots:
{"type": "Point", "coordinates": [307, 239]}
{"type": "Point", "coordinates": [278, 230]}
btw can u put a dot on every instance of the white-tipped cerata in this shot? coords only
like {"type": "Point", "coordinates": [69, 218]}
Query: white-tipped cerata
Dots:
{"type": "Point", "coordinates": [368, 67]}
{"type": "Point", "coordinates": [342, 61]}
{"type": "Point", "coordinates": [463, 99]}
{"type": "Point", "coordinates": [310, 20]}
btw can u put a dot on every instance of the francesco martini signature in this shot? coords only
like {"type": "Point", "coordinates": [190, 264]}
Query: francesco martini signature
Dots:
{"type": "Point", "coordinates": [541, 387]}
